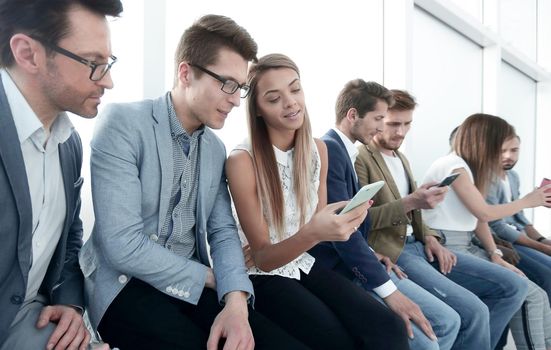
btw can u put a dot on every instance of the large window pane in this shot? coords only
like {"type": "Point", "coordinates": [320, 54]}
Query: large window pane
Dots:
{"type": "Point", "coordinates": [447, 82]}
{"type": "Point", "coordinates": [517, 104]}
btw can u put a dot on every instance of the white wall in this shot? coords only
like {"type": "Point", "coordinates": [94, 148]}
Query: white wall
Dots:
{"type": "Point", "coordinates": [517, 105]}
{"type": "Point", "coordinates": [447, 82]}
{"type": "Point", "coordinates": [341, 41]}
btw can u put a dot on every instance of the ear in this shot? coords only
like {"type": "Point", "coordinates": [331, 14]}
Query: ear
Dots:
{"type": "Point", "coordinates": [352, 114]}
{"type": "Point", "coordinates": [28, 53]}
{"type": "Point", "coordinates": [184, 73]}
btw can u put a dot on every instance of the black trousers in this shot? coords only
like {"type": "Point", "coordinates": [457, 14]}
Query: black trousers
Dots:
{"type": "Point", "coordinates": [141, 317]}
{"type": "Point", "coordinates": [325, 310]}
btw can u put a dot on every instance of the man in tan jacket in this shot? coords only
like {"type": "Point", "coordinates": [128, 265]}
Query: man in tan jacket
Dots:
{"type": "Point", "coordinates": [397, 228]}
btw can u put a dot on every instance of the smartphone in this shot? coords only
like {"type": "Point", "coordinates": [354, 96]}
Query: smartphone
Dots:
{"type": "Point", "coordinates": [364, 194]}
{"type": "Point", "coordinates": [545, 182]}
{"type": "Point", "coordinates": [448, 180]}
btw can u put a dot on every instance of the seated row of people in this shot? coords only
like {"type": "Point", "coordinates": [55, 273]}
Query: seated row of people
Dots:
{"type": "Point", "coordinates": [165, 267]}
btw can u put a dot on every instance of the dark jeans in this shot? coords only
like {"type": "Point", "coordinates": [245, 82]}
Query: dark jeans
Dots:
{"type": "Point", "coordinates": [324, 310]}
{"type": "Point", "coordinates": [142, 317]}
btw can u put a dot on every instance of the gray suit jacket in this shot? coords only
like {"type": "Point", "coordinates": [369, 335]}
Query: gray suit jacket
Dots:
{"type": "Point", "coordinates": [63, 281]}
{"type": "Point", "coordinates": [132, 174]}
{"type": "Point", "coordinates": [496, 195]}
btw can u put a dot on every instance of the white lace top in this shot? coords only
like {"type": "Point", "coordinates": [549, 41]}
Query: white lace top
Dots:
{"type": "Point", "coordinates": [292, 216]}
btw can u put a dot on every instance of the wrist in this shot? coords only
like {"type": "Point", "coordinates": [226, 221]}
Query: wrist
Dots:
{"type": "Point", "coordinates": [408, 202]}
{"type": "Point", "coordinates": [495, 256]}
{"type": "Point", "coordinates": [237, 300]}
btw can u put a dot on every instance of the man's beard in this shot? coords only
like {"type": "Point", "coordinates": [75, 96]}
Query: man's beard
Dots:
{"type": "Point", "coordinates": [509, 166]}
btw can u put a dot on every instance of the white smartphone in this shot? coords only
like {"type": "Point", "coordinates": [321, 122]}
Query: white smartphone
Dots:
{"type": "Point", "coordinates": [364, 194]}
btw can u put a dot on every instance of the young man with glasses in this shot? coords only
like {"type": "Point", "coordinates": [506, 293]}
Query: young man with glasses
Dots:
{"type": "Point", "coordinates": [41, 294]}
{"type": "Point", "coordinates": [161, 205]}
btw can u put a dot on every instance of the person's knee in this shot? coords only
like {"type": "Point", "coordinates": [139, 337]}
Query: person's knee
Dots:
{"type": "Point", "coordinates": [517, 289]}
{"type": "Point", "coordinates": [474, 315]}
{"type": "Point", "coordinates": [450, 323]}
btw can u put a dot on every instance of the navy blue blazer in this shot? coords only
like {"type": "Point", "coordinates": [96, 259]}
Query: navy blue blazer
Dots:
{"type": "Point", "coordinates": [352, 258]}
{"type": "Point", "coordinates": [63, 283]}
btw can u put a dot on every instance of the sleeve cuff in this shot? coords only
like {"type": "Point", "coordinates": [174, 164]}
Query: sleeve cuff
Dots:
{"type": "Point", "coordinates": [385, 289]}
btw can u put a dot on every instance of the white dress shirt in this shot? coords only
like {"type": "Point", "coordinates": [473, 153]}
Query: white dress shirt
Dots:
{"type": "Point", "coordinates": [398, 172]}
{"type": "Point", "coordinates": [41, 156]}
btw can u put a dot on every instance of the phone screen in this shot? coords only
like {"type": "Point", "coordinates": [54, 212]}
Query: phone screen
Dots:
{"type": "Point", "coordinates": [448, 180]}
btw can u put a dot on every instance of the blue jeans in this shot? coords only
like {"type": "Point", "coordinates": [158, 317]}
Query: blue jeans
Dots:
{"type": "Point", "coordinates": [483, 294]}
{"type": "Point", "coordinates": [502, 290]}
{"type": "Point", "coordinates": [536, 266]}
{"type": "Point", "coordinates": [444, 320]}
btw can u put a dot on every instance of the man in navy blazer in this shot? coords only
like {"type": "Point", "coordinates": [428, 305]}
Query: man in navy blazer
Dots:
{"type": "Point", "coordinates": [41, 285]}
{"type": "Point", "coordinates": [361, 107]}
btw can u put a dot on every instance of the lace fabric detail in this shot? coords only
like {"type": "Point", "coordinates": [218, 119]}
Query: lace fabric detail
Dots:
{"type": "Point", "coordinates": [305, 261]}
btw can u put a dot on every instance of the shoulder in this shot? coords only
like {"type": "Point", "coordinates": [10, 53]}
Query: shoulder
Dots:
{"type": "Point", "coordinates": [213, 141]}
{"type": "Point", "coordinates": [240, 168]}
{"type": "Point", "coordinates": [513, 175]}
{"type": "Point", "coordinates": [365, 153]}
{"type": "Point", "coordinates": [321, 146]}
{"type": "Point", "coordinates": [239, 158]}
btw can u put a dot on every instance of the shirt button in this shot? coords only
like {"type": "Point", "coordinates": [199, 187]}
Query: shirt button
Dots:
{"type": "Point", "coordinates": [16, 299]}
{"type": "Point", "coordinates": [181, 293]}
{"type": "Point", "coordinates": [175, 291]}
{"type": "Point", "coordinates": [154, 237]}
{"type": "Point", "coordinates": [169, 289]}
{"type": "Point", "coordinates": [186, 295]}
{"type": "Point", "coordinates": [123, 279]}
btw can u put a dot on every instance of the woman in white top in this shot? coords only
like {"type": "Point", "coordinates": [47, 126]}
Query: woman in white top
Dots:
{"type": "Point", "coordinates": [476, 157]}
{"type": "Point", "coordinates": [278, 184]}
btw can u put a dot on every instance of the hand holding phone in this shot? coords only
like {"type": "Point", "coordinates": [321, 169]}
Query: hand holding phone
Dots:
{"type": "Point", "coordinates": [448, 180]}
{"type": "Point", "coordinates": [364, 194]}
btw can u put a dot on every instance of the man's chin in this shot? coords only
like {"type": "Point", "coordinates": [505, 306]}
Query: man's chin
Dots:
{"type": "Point", "coordinates": [508, 166]}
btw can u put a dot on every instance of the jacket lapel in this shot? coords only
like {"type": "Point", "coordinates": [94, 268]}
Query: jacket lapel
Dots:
{"type": "Point", "coordinates": [164, 150]}
{"type": "Point", "coordinates": [350, 171]}
{"type": "Point", "coordinates": [14, 165]}
{"type": "Point", "coordinates": [389, 180]}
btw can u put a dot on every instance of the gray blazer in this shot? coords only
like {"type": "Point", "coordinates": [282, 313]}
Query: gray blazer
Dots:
{"type": "Point", "coordinates": [132, 173]}
{"type": "Point", "coordinates": [496, 195]}
{"type": "Point", "coordinates": [63, 281]}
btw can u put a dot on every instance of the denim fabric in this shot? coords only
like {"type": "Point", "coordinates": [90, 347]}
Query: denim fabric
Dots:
{"type": "Point", "coordinates": [500, 289]}
{"type": "Point", "coordinates": [444, 320]}
{"type": "Point", "coordinates": [471, 290]}
{"type": "Point", "coordinates": [536, 266]}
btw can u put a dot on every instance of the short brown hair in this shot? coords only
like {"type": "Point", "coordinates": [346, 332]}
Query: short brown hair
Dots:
{"type": "Point", "coordinates": [45, 19]}
{"type": "Point", "coordinates": [362, 96]}
{"type": "Point", "coordinates": [201, 43]}
{"type": "Point", "coordinates": [403, 101]}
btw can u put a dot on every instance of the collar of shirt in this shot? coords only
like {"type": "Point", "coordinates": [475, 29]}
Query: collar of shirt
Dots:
{"type": "Point", "coordinates": [282, 157]}
{"type": "Point", "coordinates": [176, 128]}
{"type": "Point", "coordinates": [26, 121]}
{"type": "Point", "coordinates": [350, 148]}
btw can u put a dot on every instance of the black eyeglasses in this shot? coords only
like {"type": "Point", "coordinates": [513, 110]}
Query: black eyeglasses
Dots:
{"type": "Point", "coordinates": [229, 86]}
{"type": "Point", "coordinates": [99, 70]}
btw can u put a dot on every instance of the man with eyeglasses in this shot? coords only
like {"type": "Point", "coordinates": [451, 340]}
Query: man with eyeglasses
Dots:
{"type": "Point", "coordinates": [161, 205]}
{"type": "Point", "coordinates": [41, 284]}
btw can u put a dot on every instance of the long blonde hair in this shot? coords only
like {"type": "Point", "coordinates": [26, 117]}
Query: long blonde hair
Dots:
{"type": "Point", "coordinates": [478, 141]}
{"type": "Point", "coordinates": [268, 181]}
